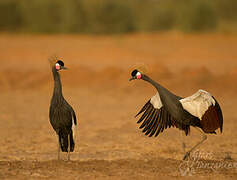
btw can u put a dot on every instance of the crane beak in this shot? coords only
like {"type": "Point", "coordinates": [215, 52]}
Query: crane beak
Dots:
{"type": "Point", "coordinates": [132, 78]}
{"type": "Point", "coordinates": [65, 68]}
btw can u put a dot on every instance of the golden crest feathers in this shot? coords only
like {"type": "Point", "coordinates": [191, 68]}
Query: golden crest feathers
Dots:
{"type": "Point", "coordinates": [53, 60]}
{"type": "Point", "coordinates": [141, 67]}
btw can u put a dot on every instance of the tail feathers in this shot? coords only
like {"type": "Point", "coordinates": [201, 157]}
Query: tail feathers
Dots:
{"type": "Point", "coordinates": [63, 140]}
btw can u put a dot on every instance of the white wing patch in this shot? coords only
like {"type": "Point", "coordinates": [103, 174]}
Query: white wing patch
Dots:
{"type": "Point", "coordinates": [156, 102]}
{"type": "Point", "coordinates": [198, 103]}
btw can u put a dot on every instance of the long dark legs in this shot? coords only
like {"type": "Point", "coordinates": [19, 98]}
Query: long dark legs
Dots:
{"type": "Point", "coordinates": [59, 148]}
{"type": "Point", "coordinates": [182, 141]}
{"type": "Point", "coordinates": [66, 144]}
{"type": "Point", "coordinates": [204, 137]}
{"type": "Point", "coordinates": [69, 148]}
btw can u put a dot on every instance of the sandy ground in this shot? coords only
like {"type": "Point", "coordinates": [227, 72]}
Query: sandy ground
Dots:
{"type": "Point", "coordinates": [109, 144]}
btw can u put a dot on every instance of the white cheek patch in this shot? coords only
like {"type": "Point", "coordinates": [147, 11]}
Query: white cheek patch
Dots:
{"type": "Point", "coordinates": [57, 66]}
{"type": "Point", "coordinates": [138, 75]}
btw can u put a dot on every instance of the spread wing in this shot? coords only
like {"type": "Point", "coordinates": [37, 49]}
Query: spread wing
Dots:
{"type": "Point", "coordinates": [156, 118]}
{"type": "Point", "coordinates": [204, 106]}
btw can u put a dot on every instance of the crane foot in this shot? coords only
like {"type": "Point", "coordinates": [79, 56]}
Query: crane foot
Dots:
{"type": "Point", "coordinates": [186, 156]}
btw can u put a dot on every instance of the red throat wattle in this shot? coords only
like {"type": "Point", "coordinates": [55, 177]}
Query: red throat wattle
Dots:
{"type": "Point", "coordinates": [139, 76]}
{"type": "Point", "coordinates": [57, 66]}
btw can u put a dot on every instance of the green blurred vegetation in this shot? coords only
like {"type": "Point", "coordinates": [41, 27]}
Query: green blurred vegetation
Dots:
{"type": "Point", "coordinates": [117, 16]}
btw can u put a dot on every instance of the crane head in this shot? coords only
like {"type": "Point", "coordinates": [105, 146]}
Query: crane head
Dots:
{"type": "Point", "coordinates": [56, 63]}
{"type": "Point", "coordinates": [59, 65]}
{"type": "Point", "coordinates": [135, 75]}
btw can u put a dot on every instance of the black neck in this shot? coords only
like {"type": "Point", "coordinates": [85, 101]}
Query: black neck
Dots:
{"type": "Point", "coordinates": [155, 84]}
{"type": "Point", "coordinates": [164, 93]}
{"type": "Point", "coordinates": [169, 100]}
{"type": "Point", "coordinates": [57, 83]}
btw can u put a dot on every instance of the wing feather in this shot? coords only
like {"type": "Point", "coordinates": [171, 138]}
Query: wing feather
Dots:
{"type": "Point", "coordinates": [145, 113]}
{"type": "Point", "coordinates": [219, 114]}
{"type": "Point", "coordinates": [153, 123]}
{"type": "Point", "coordinates": [150, 124]}
{"type": "Point", "coordinates": [160, 124]}
{"type": "Point", "coordinates": [205, 107]}
{"type": "Point", "coordinates": [198, 103]}
{"type": "Point", "coordinates": [74, 117]}
{"type": "Point", "coordinates": [164, 121]}
{"type": "Point", "coordinates": [212, 119]}
{"type": "Point", "coordinates": [155, 118]}
{"type": "Point", "coordinates": [144, 108]}
{"type": "Point", "coordinates": [156, 124]}
{"type": "Point", "coordinates": [147, 120]}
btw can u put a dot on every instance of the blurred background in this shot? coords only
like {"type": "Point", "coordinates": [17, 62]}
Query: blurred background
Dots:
{"type": "Point", "coordinates": [185, 45]}
{"type": "Point", "coordinates": [117, 16]}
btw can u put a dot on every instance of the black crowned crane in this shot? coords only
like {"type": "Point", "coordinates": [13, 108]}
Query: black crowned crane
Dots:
{"type": "Point", "coordinates": [61, 114]}
{"type": "Point", "coordinates": [165, 110]}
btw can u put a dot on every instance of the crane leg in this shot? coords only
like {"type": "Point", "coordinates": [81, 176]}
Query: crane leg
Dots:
{"type": "Point", "coordinates": [69, 148]}
{"type": "Point", "coordinates": [183, 143]}
{"type": "Point", "coordinates": [58, 149]}
{"type": "Point", "coordinates": [204, 137]}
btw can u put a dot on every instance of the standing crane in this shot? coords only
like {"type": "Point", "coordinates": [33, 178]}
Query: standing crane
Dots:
{"type": "Point", "coordinates": [61, 114]}
{"type": "Point", "coordinates": [165, 110]}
